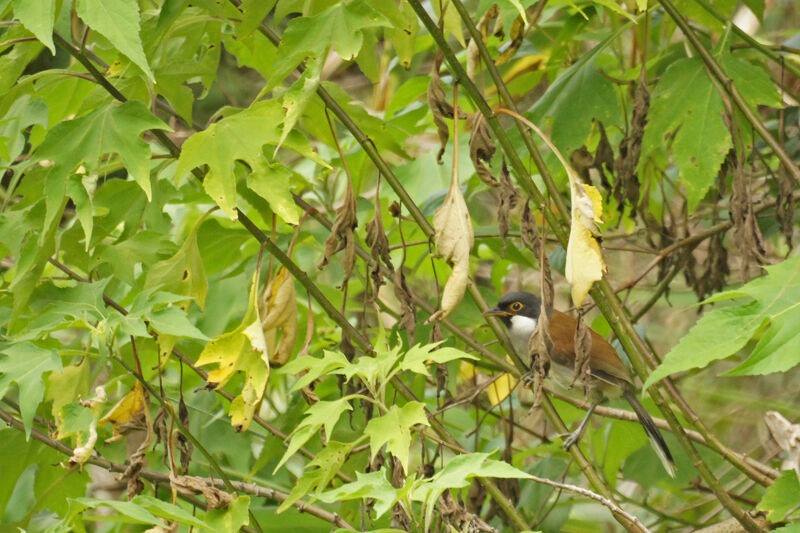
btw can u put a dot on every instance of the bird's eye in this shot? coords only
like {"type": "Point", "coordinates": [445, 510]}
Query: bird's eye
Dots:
{"type": "Point", "coordinates": [516, 306]}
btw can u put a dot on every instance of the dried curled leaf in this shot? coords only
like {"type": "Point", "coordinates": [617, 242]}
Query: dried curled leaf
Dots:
{"type": "Point", "coordinates": [626, 186]}
{"type": "Point", "coordinates": [746, 232]}
{"type": "Point", "coordinates": [408, 310]}
{"type": "Point", "coordinates": [509, 196]}
{"type": "Point", "coordinates": [481, 148]}
{"type": "Point", "coordinates": [453, 238]}
{"type": "Point", "coordinates": [583, 348]}
{"type": "Point", "coordinates": [192, 485]}
{"type": "Point", "coordinates": [517, 35]}
{"type": "Point", "coordinates": [473, 55]}
{"type": "Point", "coordinates": [585, 263]}
{"type": "Point", "coordinates": [529, 229]}
{"type": "Point", "coordinates": [128, 414]}
{"type": "Point", "coordinates": [540, 346]}
{"type": "Point", "coordinates": [185, 446]}
{"type": "Point", "coordinates": [440, 107]}
{"type": "Point", "coordinates": [277, 307]}
{"type": "Point", "coordinates": [784, 209]}
{"type": "Point", "coordinates": [379, 246]}
{"type": "Point", "coordinates": [242, 350]}
{"type": "Point", "coordinates": [341, 236]}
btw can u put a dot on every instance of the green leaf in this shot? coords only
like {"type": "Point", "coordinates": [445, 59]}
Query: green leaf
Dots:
{"type": "Point", "coordinates": [322, 414]}
{"type": "Point", "coordinates": [781, 497]}
{"type": "Point", "coordinates": [458, 473]}
{"type": "Point", "coordinates": [171, 512]}
{"type": "Point", "coordinates": [757, 7]}
{"type": "Point", "coordinates": [372, 485]}
{"type": "Point", "coordinates": [416, 359]}
{"type": "Point", "coordinates": [340, 26]}
{"type": "Point", "coordinates": [753, 83]}
{"type": "Point", "coordinates": [578, 96]}
{"type": "Point", "coordinates": [394, 430]}
{"type": "Point", "coordinates": [232, 519]}
{"type": "Point", "coordinates": [174, 322]}
{"type": "Point", "coordinates": [312, 368]}
{"type": "Point", "coordinates": [271, 182]}
{"type": "Point", "coordinates": [184, 272]}
{"type": "Point", "coordinates": [24, 364]}
{"type": "Point", "coordinates": [775, 304]}
{"type": "Point", "coordinates": [14, 62]}
{"type": "Point", "coordinates": [297, 97]}
{"type": "Point", "coordinates": [38, 17]}
{"type": "Point", "coordinates": [254, 11]}
{"type": "Point", "coordinates": [117, 21]}
{"type": "Point", "coordinates": [686, 103]}
{"type": "Point", "coordinates": [319, 472]}
{"type": "Point", "coordinates": [238, 137]}
{"type": "Point", "coordinates": [83, 205]}
{"type": "Point", "coordinates": [52, 485]}
{"type": "Point", "coordinates": [110, 129]}
{"type": "Point", "coordinates": [135, 513]}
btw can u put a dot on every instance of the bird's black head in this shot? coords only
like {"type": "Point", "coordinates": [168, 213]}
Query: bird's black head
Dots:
{"type": "Point", "coordinates": [516, 303]}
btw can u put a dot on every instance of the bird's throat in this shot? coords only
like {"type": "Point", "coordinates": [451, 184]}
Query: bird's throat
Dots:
{"type": "Point", "coordinates": [520, 331]}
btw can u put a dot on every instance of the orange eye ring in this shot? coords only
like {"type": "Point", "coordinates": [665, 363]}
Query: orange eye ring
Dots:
{"type": "Point", "coordinates": [516, 306]}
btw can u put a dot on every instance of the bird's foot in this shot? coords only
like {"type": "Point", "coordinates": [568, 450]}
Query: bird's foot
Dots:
{"type": "Point", "coordinates": [528, 378]}
{"type": "Point", "coordinates": [571, 438]}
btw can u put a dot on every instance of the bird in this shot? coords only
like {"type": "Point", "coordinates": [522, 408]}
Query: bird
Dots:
{"type": "Point", "coordinates": [519, 311]}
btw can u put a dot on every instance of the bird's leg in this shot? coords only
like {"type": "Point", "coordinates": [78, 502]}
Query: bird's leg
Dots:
{"type": "Point", "coordinates": [575, 436]}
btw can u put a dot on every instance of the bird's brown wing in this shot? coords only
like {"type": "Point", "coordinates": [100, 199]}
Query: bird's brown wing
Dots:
{"type": "Point", "coordinates": [603, 356]}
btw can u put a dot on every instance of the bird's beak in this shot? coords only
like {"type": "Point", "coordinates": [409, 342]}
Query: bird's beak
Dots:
{"type": "Point", "coordinates": [496, 311]}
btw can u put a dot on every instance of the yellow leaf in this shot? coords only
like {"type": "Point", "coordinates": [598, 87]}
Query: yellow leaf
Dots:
{"type": "Point", "coordinates": [277, 306]}
{"type": "Point", "coordinates": [63, 387]}
{"type": "Point", "coordinates": [128, 413]}
{"type": "Point", "coordinates": [584, 258]}
{"type": "Point", "coordinates": [466, 371]}
{"type": "Point", "coordinates": [241, 350]}
{"type": "Point", "coordinates": [453, 239]}
{"type": "Point", "coordinates": [497, 391]}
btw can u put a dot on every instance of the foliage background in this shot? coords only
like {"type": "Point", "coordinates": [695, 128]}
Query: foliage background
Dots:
{"type": "Point", "coordinates": [124, 123]}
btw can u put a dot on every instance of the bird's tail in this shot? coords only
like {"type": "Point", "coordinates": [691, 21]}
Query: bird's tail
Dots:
{"type": "Point", "coordinates": [653, 434]}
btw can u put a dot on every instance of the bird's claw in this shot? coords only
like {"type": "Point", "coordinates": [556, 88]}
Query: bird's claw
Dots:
{"type": "Point", "coordinates": [528, 378]}
{"type": "Point", "coordinates": [571, 438]}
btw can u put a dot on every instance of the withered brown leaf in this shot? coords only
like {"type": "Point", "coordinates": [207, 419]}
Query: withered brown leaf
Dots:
{"type": "Point", "coordinates": [509, 196]}
{"type": "Point", "coordinates": [341, 236]}
{"type": "Point", "coordinates": [626, 184]}
{"type": "Point", "coordinates": [440, 107]}
{"type": "Point", "coordinates": [481, 148]}
{"type": "Point", "coordinates": [192, 485]}
{"type": "Point", "coordinates": [583, 347]}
